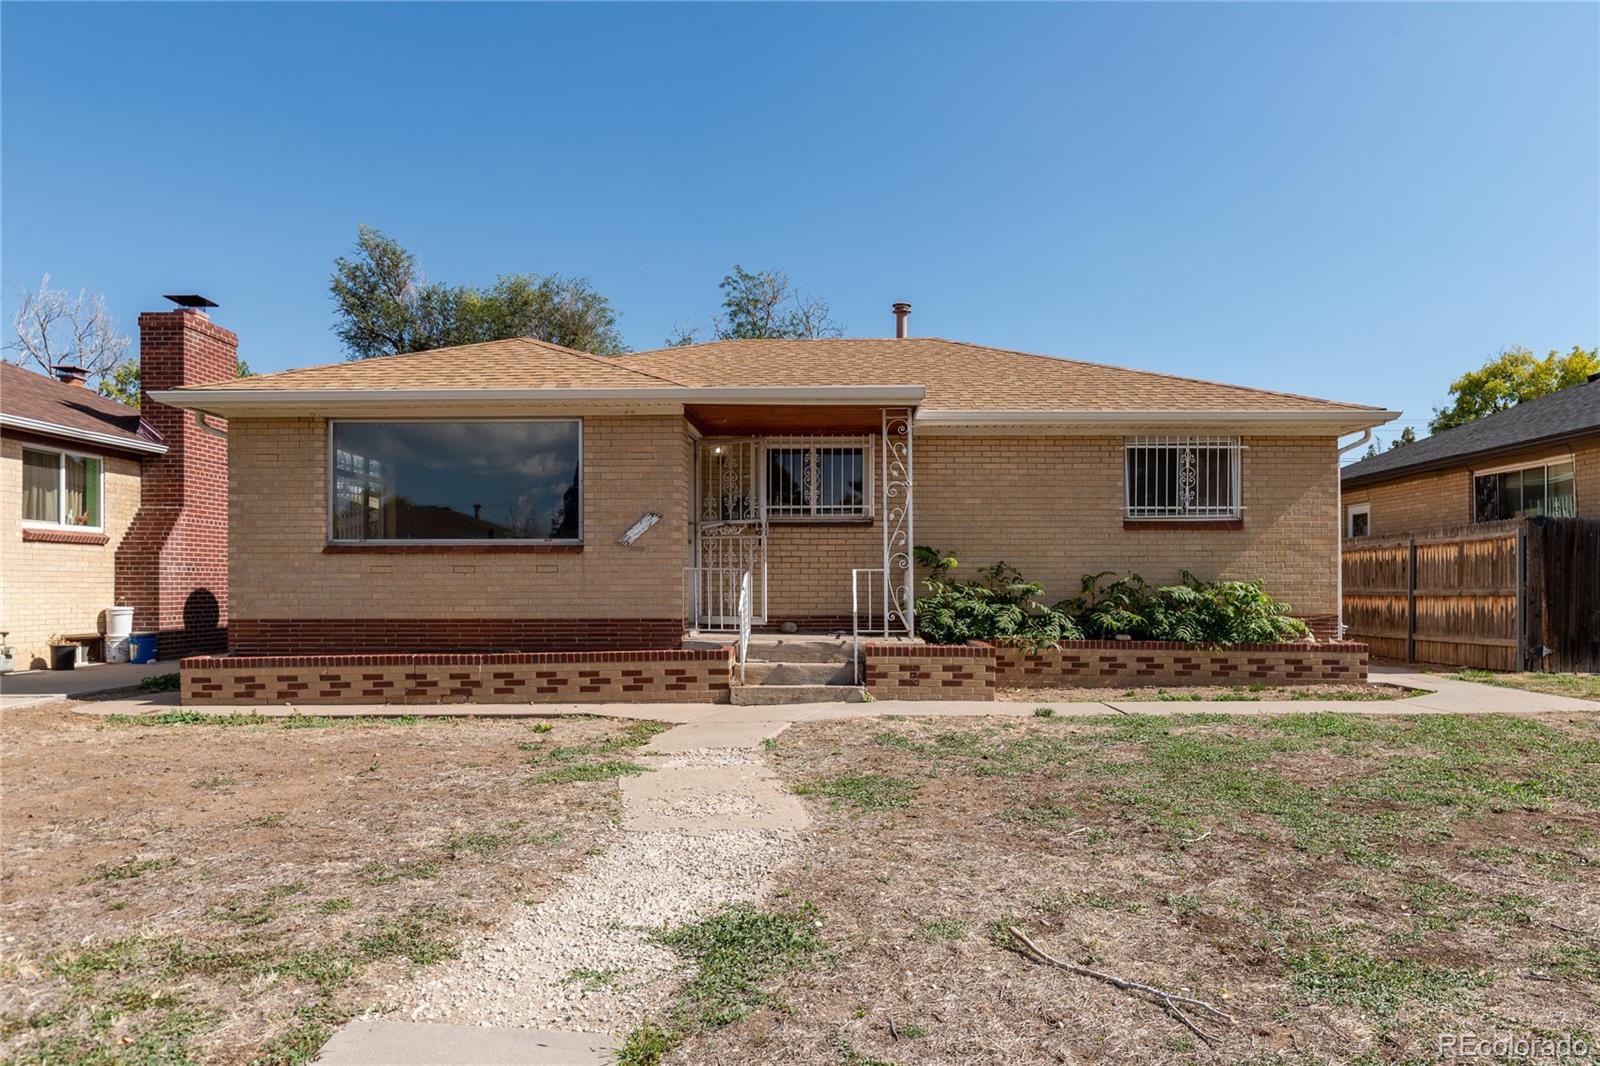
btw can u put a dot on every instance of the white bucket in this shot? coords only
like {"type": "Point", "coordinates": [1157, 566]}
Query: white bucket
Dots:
{"type": "Point", "coordinates": [119, 627]}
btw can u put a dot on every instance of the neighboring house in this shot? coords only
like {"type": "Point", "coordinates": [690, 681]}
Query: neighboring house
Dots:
{"type": "Point", "coordinates": [1541, 457]}
{"type": "Point", "coordinates": [105, 505]}
{"type": "Point", "coordinates": [605, 503]}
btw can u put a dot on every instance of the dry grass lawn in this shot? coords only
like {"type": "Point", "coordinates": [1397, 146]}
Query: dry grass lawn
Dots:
{"type": "Point", "coordinates": [227, 889]}
{"type": "Point", "coordinates": [1348, 887]}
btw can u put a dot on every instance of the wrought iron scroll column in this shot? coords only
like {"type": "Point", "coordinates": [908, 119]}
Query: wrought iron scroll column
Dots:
{"type": "Point", "coordinates": [899, 574]}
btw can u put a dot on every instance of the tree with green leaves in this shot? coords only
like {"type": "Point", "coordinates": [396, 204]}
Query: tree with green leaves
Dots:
{"type": "Point", "coordinates": [762, 305]}
{"type": "Point", "coordinates": [1513, 376]}
{"type": "Point", "coordinates": [387, 306]}
{"type": "Point", "coordinates": [123, 385]}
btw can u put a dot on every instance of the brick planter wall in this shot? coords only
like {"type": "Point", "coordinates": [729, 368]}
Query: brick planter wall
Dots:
{"type": "Point", "coordinates": [930, 671]}
{"type": "Point", "coordinates": [973, 671]}
{"type": "Point", "coordinates": [666, 676]}
{"type": "Point", "coordinates": [1119, 663]}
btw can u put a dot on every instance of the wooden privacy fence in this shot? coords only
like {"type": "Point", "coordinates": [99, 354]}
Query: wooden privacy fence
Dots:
{"type": "Point", "coordinates": [1521, 594]}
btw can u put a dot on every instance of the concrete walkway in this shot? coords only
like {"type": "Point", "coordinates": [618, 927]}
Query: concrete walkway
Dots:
{"type": "Point", "coordinates": [26, 688]}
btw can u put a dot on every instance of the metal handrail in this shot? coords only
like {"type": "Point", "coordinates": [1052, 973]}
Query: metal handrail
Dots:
{"type": "Point", "coordinates": [855, 613]}
{"type": "Point", "coordinates": [745, 602]}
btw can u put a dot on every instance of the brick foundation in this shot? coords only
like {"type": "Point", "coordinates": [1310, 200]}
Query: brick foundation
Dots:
{"type": "Point", "coordinates": [379, 636]}
{"type": "Point", "coordinates": [973, 671]}
{"type": "Point", "coordinates": [1111, 663]}
{"type": "Point", "coordinates": [930, 671]}
{"type": "Point", "coordinates": [661, 676]}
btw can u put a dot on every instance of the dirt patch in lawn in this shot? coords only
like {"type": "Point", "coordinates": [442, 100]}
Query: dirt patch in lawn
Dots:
{"type": "Point", "coordinates": [1226, 693]}
{"type": "Point", "coordinates": [228, 888]}
{"type": "Point", "coordinates": [1348, 887]}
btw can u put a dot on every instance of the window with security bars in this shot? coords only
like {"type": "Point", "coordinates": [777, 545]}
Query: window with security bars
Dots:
{"type": "Point", "coordinates": [1182, 477]}
{"type": "Point", "coordinates": [825, 480]}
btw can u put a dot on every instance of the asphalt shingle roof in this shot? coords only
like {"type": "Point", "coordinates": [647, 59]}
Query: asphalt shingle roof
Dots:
{"type": "Point", "coordinates": [956, 374]}
{"type": "Point", "coordinates": [1571, 412]}
{"type": "Point", "coordinates": [71, 407]}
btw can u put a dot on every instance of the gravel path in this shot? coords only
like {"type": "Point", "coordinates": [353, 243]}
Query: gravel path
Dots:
{"type": "Point", "coordinates": [599, 919]}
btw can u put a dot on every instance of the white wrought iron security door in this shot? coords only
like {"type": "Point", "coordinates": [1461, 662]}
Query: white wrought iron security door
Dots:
{"type": "Point", "coordinates": [730, 532]}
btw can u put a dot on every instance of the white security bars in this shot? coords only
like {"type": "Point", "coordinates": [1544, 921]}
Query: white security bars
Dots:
{"type": "Point", "coordinates": [819, 478]}
{"type": "Point", "coordinates": [1182, 477]}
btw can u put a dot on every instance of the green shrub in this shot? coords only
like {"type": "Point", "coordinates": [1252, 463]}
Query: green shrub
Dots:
{"type": "Point", "coordinates": [1003, 608]}
{"type": "Point", "coordinates": [1000, 606]}
{"type": "Point", "coordinates": [1192, 612]}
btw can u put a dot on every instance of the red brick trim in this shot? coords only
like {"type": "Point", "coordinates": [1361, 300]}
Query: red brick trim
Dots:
{"type": "Point", "coordinates": [657, 675]}
{"type": "Point", "coordinates": [1177, 524]}
{"type": "Point", "coordinates": [410, 636]}
{"type": "Point", "coordinates": [486, 548]}
{"type": "Point", "coordinates": [63, 536]}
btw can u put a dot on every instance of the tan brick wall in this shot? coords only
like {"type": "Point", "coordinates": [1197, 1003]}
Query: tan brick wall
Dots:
{"type": "Point", "coordinates": [58, 588]}
{"type": "Point", "coordinates": [808, 567]}
{"type": "Point", "coordinates": [1439, 499]}
{"type": "Point", "coordinates": [701, 676]}
{"type": "Point", "coordinates": [1052, 507]}
{"type": "Point", "coordinates": [278, 529]}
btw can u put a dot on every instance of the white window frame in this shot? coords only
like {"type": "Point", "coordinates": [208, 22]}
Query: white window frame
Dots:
{"type": "Point", "coordinates": [1350, 513]}
{"type": "Point", "coordinates": [331, 476]}
{"type": "Point", "coordinates": [61, 455]}
{"type": "Point", "coordinates": [777, 515]}
{"type": "Point", "coordinates": [1179, 512]}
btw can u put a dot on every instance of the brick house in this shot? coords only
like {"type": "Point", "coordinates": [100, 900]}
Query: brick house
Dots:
{"type": "Point", "coordinates": [105, 505]}
{"type": "Point", "coordinates": [516, 496]}
{"type": "Point", "coordinates": [1540, 457]}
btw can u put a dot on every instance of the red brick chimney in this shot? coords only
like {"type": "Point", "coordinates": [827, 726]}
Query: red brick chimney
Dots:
{"type": "Point", "coordinates": [172, 566]}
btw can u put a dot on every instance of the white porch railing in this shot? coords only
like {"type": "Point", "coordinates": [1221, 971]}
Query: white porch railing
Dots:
{"type": "Point", "coordinates": [721, 599]}
{"type": "Point", "coordinates": [861, 578]}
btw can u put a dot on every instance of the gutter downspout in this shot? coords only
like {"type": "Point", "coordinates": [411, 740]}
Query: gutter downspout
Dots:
{"type": "Point", "coordinates": [1338, 496]}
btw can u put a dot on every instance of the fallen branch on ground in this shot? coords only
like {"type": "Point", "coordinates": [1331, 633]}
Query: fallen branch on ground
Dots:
{"type": "Point", "coordinates": [1167, 1001]}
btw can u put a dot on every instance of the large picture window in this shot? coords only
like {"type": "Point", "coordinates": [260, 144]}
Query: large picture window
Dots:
{"type": "Point", "coordinates": [62, 489]}
{"type": "Point", "coordinates": [1182, 477]}
{"type": "Point", "coordinates": [1545, 489]}
{"type": "Point", "coordinates": [824, 480]}
{"type": "Point", "coordinates": [457, 481]}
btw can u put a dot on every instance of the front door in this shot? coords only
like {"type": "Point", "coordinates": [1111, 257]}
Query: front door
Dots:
{"type": "Point", "coordinates": [730, 532]}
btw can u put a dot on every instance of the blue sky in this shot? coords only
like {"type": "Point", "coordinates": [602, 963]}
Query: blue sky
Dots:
{"type": "Point", "coordinates": [1354, 201]}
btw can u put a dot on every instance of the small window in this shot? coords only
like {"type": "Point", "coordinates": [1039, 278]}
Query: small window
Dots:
{"type": "Point", "coordinates": [61, 489]}
{"type": "Point", "coordinates": [1182, 477]}
{"type": "Point", "coordinates": [1530, 491]}
{"type": "Point", "coordinates": [510, 480]}
{"type": "Point", "coordinates": [1360, 520]}
{"type": "Point", "coordinates": [827, 480]}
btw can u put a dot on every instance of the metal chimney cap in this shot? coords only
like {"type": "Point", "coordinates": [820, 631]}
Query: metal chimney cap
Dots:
{"type": "Point", "coordinates": [193, 300]}
{"type": "Point", "coordinates": [902, 308]}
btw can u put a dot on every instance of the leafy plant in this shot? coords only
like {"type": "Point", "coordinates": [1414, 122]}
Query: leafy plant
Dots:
{"type": "Point", "coordinates": [1191, 612]}
{"type": "Point", "coordinates": [1000, 606]}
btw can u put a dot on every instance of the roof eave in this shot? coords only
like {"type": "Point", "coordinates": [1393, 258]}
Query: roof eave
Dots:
{"type": "Point", "coordinates": [85, 436]}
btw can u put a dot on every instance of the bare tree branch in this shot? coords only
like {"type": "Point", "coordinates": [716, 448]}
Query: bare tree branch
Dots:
{"type": "Point", "coordinates": [54, 327]}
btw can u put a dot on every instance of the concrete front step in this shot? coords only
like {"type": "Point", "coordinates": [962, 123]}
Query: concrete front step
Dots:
{"type": "Point", "coordinates": [770, 695]}
{"type": "Point", "coordinates": [757, 672]}
{"type": "Point", "coordinates": [800, 648]}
